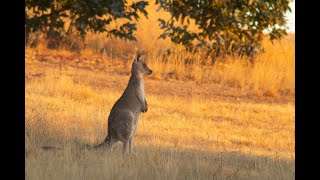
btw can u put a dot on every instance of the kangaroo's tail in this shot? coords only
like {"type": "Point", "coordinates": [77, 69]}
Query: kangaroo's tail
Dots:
{"type": "Point", "coordinates": [50, 148]}
{"type": "Point", "coordinates": [105, 143]}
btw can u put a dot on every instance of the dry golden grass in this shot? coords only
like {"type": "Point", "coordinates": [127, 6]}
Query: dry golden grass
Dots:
{"type": "Point", "coordinates": [223, 121]}
{"type": "Point", "coordinates": [272, 75]}
{"type": "Point", "coordinates": [191, 131]}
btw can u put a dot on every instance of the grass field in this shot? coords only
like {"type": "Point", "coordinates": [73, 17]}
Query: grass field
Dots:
{"type": "Point", "coordinates": [192, 130]}
{"type": "Point", "coordinates": [227, 120]}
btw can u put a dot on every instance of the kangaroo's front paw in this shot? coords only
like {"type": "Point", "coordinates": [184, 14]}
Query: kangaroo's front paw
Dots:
{"type": "Point", "coordinates": [145, 109]}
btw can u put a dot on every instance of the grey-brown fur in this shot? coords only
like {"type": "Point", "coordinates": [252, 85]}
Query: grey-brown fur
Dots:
{"type": "Point", "coordinates": [125, 113]}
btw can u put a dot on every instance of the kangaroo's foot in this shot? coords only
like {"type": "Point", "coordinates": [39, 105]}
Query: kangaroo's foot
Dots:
{"type": "Point", "coordinates": [132, 153]}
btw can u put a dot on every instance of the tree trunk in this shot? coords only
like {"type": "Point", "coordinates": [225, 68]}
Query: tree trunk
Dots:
{"type": "Point", "coordinates": [52, 35]}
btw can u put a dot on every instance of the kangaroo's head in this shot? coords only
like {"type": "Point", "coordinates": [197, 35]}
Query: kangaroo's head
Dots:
{"type": "Point", "coordinates": [139, 66]}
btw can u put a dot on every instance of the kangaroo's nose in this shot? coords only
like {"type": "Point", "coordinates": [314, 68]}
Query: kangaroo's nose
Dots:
{"type": "Point", "coordinates": [150, 71]}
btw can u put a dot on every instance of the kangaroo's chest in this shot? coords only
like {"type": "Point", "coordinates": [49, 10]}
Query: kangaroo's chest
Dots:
{"type": "Point", "coordinates": [141, 88]}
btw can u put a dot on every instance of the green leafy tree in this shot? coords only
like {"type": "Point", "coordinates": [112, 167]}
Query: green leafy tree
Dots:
{"type": "Point", "coordinates": [81, 16]}
{"type": "Point", "coordinates": [224, 26]}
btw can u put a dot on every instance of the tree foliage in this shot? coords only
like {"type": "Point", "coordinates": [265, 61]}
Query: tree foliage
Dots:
{"type": "Point", "coordinates": [82, 16]}
{"type": "Point", "coordinates": [224, 26]}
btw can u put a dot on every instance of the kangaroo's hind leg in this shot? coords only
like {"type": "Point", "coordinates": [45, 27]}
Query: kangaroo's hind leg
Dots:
{"type": "Point", "coordinates": [128, 140]}
{"type": "Point", "coordinates": [131, 140]}
{"type": "Point", "coordinates": [134, 131]}
{"type": "Point", "coordinates": [131, 144]}
{"type": "Point", "coordinates": [125, 128]}
{"type": "Point", "coordinates": [126, 147]}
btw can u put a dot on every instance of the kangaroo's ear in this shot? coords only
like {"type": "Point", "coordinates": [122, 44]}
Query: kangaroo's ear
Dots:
{"type": "Point", "coordinates": [138, 56]}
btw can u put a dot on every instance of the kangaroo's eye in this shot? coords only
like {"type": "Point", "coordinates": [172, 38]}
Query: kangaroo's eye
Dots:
{"type": "Point", "coordinates": [144, 65]}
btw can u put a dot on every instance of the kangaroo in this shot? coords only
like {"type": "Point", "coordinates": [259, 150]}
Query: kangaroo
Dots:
{"type": "Point", "coordinates": [125, 113]}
